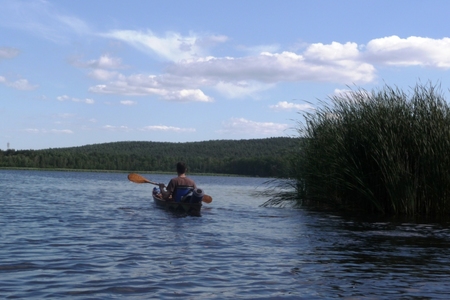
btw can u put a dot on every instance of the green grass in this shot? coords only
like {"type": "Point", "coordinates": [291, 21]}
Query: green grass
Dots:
{"type": "Point", "coordinates": [386, 151]}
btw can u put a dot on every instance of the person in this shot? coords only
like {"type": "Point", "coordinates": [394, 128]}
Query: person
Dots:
{"type": "Point", "coordinates": [179, 182]}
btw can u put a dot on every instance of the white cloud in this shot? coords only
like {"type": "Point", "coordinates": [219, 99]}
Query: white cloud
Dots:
{"type": "Point", "coordinates": [210, 40]}
{"type": "Point", "coordinates": [21, 84]}
{"type": "Point", "coordinates": [63, 98]}
{"type": "Point", "coordinates": [167, 128]}
{"type": "Point", "coordinates": [241, 88]}
{"type": "Point", "coordinates": [256, 50]}
{"type": "Point", "coordinates": [103, 75]}
{"type": "Point", "coordinates": [71, 23]}
{"type": "Point", "coordinates": [173, 46]}
{"type": "Point", "coordinates": [65, 115]}
{"type": "Point", "coordinates": [242, 77]}
{"type": "Point", "coordinates": [191, 71]}
{"type": "Point", "coordinates": [412, 51]}
{"type": "Point", "coordinates": [101, 68]}
{"type": "Point", "coordinates": [280, 67]}
{"type": "Point", "coordinates": [125, 88]}
{"type": "Point", "coordinates": [332, 53]}
{"type": "Point", "coordinates": [288, 106]}
{"type": "Point", "coordinates": [186, 95]}
{"type": "Point", "coordinates": [105, 61]}
{"type": "Point", "coordinates": [41, 19]}
{"type": "Point", "coordinates": [116, 128]}
{"type": "Point", "coordinates": [67, 98]}
{"type": "Point", "coordinates": [128, 102]}
{"type": "Point", "coordinates": [143, 85]}
{"type": "Point", "coordinates": [241, 125]}
{"type": "Point", "coordinates": [61, 131]}
{"type": "Point", "coordinates": [7, 52]}
{"type": "Point", "coordinates": [52, 131]}
{"type": "Point", "coordinates": [341, 92]}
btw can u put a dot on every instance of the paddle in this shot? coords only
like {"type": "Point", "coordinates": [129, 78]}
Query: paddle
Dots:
{"type": "Point", "coordinates": [136, 178]}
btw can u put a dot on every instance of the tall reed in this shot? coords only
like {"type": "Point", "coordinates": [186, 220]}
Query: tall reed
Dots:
{"type": "Point", "coordinates": [384, 151]}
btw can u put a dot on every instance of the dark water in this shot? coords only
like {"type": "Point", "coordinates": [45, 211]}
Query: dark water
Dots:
{"type": "Point", "coordinates": [98, 236]}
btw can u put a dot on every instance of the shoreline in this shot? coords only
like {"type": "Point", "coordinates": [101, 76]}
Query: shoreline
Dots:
{"type": "Point", "coordinates": [117, 171]}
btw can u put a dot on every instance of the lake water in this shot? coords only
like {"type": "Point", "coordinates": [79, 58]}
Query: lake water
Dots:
{"type": "Point", "coordinates": [83, 235]}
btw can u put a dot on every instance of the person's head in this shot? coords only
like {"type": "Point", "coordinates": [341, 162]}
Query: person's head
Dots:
{"type": "Point", "coordinates": [181, 167]}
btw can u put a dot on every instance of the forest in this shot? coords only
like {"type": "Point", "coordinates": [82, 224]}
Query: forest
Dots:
{"type": "Point", "coordinates": [255, 157]}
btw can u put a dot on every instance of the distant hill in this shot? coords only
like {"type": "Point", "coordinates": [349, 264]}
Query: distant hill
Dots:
{"type": "Point", "coordinates": [256, 157]}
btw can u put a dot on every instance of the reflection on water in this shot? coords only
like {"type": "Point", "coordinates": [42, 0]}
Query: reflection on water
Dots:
{"type": "Point", "coordinates": [97, 236]}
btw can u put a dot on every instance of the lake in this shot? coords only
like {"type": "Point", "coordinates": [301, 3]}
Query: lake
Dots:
{"type": "Point", "coordinates": [86, 235]}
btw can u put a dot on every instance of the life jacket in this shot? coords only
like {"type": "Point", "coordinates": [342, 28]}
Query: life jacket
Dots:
{"type": "Point", "coordinates": [181, 191]}
{"type": "Point", "coordinates": [188, 194]}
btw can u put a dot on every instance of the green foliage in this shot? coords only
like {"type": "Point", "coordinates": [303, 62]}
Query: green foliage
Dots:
{"type": "Point", "coordinates": [258, 157]}
{"type": "Point", "coordinates": [383, 151]}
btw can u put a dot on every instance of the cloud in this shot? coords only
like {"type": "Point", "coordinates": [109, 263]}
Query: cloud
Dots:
{"type": "Point", "coordinates": [103, 75]}
{"type": "Point", "coordinates": [101, 68]}
{"type": "Point", "coordinates": [52, 131]}
{"type": "Point", "coordinates": [125, 88]}
{"type": "Point", "coordinates": [65, 115]}
{"type": "Point", "coordinates": [7, 52]}
{"type": "Point", "coordinates": [412, 51]}
{"type": "Point", "coordinates": [241, 77]}
{"type": "Point", "coordinates": [256, 50]}
{"type": "Point", "coordinates": [287, 106]}
{"type": "Point", "coordinates": [21, 84]}
{"type": "Point", "coordinates": [241, 88]}
{"type": "Point", "coordinates": [143, 85]}
{"type": "Point", "coordinates": [187, 95]}
{"type": "Point", "coordinates": [281, 67]}
{"type": "Point", "coordinates": [116, 128]}
{"type": "Point", "coordinates": [167, 128]}
{"type": "Point", "coordinates": [67, 98]}
{"type": "Point", "coordinates": [128, 102]}
{"type": "Point", "coordinates": [61, 131]}
{"type": "Point", "coordinates": [105, 61]}
{"type": "Point", "coordinates": [162, 128]}
{"type": "Point", "coordinates": [210, 40]}
{"type": "Point", "coordinates": [32, 130]}
{"type": "Point", "coordinates": [172, 46]}
{"type": "Point", "coordinates": [41, 19]}
{"type": "Point", "coordinates": [241, 125]}
{"type": "Point", "coordinates": [191, 71]}
{"type": "Point", "coordinates": [342, 92]}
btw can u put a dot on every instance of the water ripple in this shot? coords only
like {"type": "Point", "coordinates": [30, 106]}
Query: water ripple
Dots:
{"type": "Point", "coordinates": [98, 236]}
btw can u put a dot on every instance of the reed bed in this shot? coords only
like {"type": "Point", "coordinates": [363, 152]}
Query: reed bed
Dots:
{"type": "Point", "coordinates": [384, 151]}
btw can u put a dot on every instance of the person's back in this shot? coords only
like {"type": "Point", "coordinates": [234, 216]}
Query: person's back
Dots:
{"type": "Point", "coordinates": [178, 186]}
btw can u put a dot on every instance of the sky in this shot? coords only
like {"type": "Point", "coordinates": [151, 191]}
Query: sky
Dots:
{"type": "Point", "coordinates": [83, 72]}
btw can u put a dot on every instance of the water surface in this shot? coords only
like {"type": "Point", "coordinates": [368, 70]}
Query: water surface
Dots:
{"type": "Point", "coordinates": [98, 236]}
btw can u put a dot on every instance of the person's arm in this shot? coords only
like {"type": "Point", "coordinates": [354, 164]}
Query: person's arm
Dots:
{"type": "Point", "coordinates": [168, 192]}
{"type": "Point", "coordinates": [164, 193]}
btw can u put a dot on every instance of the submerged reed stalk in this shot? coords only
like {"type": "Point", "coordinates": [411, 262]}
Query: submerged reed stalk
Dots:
{"type": "Point", "coordinates": [384, 151]}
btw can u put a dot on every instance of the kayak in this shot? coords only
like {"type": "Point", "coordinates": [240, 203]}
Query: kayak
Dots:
{"type": "Point", "coordinates": [178, 207]}
{"type": "Point", "coordinates": [187, 201]}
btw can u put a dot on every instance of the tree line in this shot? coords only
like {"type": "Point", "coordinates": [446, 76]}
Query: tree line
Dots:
{"type": "Point", "coordinates": [256, 157]}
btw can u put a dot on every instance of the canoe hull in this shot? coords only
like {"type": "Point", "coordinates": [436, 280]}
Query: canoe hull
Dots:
{"type": "Point", "coordinates": [178, 207]}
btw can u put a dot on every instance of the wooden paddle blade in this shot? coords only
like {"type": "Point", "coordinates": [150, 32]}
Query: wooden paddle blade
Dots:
{"type": "Point", "coordinates": [136, 178]}
{"type": "Point", "coordinates": [207, 199]}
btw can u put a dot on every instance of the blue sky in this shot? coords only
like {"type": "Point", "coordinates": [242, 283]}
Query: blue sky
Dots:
{"type": "Point", "coordinates": [81, 72]}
